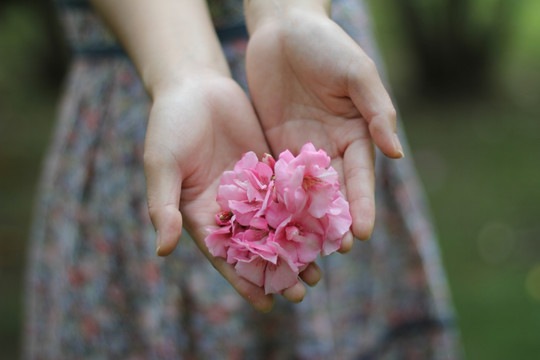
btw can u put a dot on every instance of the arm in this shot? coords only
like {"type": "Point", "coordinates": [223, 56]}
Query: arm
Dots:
{"type": "Point", "coordinates": [167, 40]}
{"type": "Point", "coordinates": [328, 92]}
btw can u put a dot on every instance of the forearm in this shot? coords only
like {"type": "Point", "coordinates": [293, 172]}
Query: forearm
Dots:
{"type": "Point", "coordinates": [167, 40]}
{"type": "Point", "coordinates": [259, 12]}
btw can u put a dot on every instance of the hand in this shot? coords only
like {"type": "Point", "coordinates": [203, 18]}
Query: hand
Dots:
{"type": "Point", "coordinates": [309, 81]}
{"type": "Point", "coordinates": [195, 132]}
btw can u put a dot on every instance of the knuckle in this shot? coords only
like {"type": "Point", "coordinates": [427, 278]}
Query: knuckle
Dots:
{"type": "Point", "coordinates": [370, 65]}
{"type": "Point", "coordinates": [151, 158]}
{"type": "Point", "coordinates": [152, 211]}
{"type": "Point", "coordinates": [362, 68]}
{"type": "Point", "coordinates": [158, 158]}
{"type": "Point", "coordinates": [391, 115]}
{"type": "Point", "coordinates": [367, 67]}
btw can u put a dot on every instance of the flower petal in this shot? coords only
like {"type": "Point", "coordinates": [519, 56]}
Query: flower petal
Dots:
{"type": "Point", "coordinates": [339, 219]}
{"type": "Point", "coordinates": [218, 241]}
{"type": "Point", "coordinates": [249, 161]}
{"type": "Point", "coordinates": [279, 277]}
{"type": "Point", "coordinates": [308, 247]}
{"type": "Point", "coordinates": [320, 200]}
{"type": "Point", "coordinates": [253, 270]}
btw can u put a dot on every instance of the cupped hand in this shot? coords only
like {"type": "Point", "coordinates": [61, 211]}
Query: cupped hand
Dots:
{"type": "Point", "coordinates": [196, 131]}
{"type": "Point", "coordinates": [309, 81]}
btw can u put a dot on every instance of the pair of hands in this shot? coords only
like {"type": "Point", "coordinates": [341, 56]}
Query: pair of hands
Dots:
{"type": "Point", "coordinates": [308, 83]}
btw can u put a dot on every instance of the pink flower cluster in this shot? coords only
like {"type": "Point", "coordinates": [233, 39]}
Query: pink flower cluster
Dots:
{"type": "Point", "coordinates": [277, 216]}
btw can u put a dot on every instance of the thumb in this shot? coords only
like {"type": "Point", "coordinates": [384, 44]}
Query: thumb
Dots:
{"type": "Point", "coordinates": [163, 187]}
{"type": "Point", "coordinates": [371, 99]}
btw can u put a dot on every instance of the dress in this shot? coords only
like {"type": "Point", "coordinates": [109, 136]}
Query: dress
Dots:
{"type": "Point", "coordinates": [96, 289]}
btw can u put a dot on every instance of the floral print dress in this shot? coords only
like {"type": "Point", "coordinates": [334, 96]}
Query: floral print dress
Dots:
{"type": "Point", "coordinates": [96, 289]}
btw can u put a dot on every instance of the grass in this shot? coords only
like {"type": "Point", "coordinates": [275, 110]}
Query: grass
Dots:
{"type": "Point", "coordinates": [477, 157]}
{"type": "Point", "coordinates": [478, 166]}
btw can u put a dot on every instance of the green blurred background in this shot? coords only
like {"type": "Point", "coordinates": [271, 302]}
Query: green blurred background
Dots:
{"type": "Point", "coordinates": [466, 76]}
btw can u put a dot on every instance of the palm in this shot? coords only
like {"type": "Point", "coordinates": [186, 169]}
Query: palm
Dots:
{"type": "Point", "coordinates": [194, 134]}
{"type": "Point", "coordinates": [297, 83]}
{"type": "Point", "coordinates": [224, 129]}
{"type": "Point", "coordinates": [301, 91]}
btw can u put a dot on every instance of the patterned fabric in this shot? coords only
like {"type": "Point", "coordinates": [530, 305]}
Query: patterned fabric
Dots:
{"type": "Point", "coordinates": [96, 290]}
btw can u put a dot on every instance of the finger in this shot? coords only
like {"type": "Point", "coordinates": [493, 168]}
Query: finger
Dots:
{"type": "Point", "coordinates": [295, 293]}
{"type": "Point", "coordinates": [163, 186]}
{"type": "Point", "coordinates": [358, 167]}
{"type": "Point", "coordinates": [311, 274]}
{"type": "Point", "coordinates": [346, 243]}
{"type": "Point", "coordinates": [372, 100]}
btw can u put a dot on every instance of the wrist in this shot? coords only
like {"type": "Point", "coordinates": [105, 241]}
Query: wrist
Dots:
{"type": "Point", "coordinates": [173, 75]}
{"type": "Point", "coordinates": [261, 12]}
{"type": "Point", "coordinates": [184, 77]}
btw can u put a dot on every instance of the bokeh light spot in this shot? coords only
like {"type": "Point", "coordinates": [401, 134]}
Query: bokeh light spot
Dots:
{"type": "Point", "coordinates": [532, 282]}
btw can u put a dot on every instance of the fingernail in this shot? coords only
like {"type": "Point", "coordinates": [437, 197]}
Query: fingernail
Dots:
{"type": "Point", "coordinates": [397, 146]}
{"type": "Point", "coordinates": [158, 243]}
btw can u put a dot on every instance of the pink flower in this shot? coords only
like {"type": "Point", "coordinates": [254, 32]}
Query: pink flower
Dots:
{"type": "Point", "coordinates": [262, 261]}
{"type": "Point", "coordinates": [302, 238]}
{"type": "Point", "coordinates": [308, 186]}
{"type": "Point", "coordinates": [306, 181]}
{"type": "Point", "coordinates": [277, 216]}
{"type": "Point", "coordinates": [243, 190]}
{"type": "Point", "coordinates": [280, 276]}
{"type": "Point", "coordinates": [218, 241]}
{"type": "Point", "coordinates": [337, 222]}
{"type": "Point", "coordinates": [301, 235]}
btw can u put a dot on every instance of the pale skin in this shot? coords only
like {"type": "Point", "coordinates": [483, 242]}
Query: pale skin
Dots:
{"type": "Point", "coordinates": [201, 121]}
{"type": "Point", "coordinates": [309, 81]}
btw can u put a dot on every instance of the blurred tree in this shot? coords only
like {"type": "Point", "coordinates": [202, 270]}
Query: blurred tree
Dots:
{"type": "Point", "coordinates": [31, 27]}
{"type": "Point", "coordinates": [456, 43]}
{"type": "Point", "coordinates": [32, 64]}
